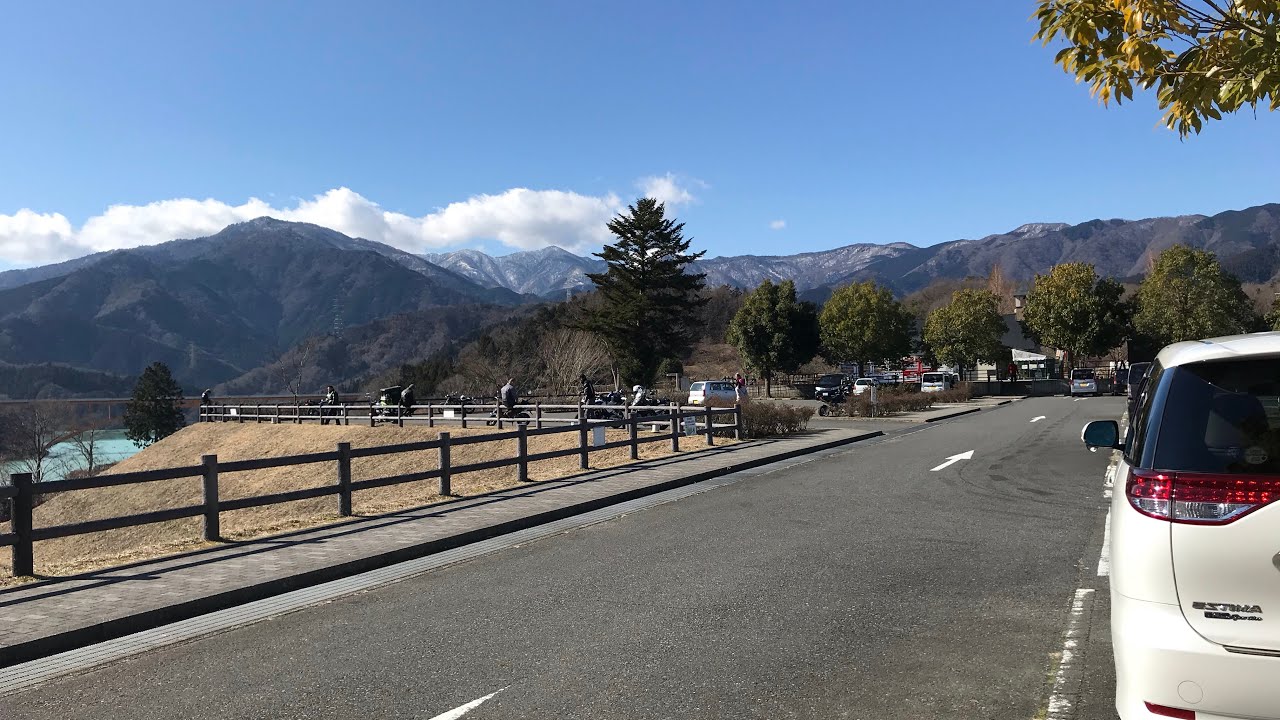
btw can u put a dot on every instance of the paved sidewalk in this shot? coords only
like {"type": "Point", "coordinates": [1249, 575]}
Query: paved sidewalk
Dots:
{"type": "Point", "coordinates": [50, 617]}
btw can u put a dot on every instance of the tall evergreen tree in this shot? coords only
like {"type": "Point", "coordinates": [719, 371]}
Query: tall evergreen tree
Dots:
{"type": "Point", "coordinates": [648, 308]}
{"type": "Point", "coordinates": [774, 332]}
{"type": "Point", "coordinates": [155, 411]}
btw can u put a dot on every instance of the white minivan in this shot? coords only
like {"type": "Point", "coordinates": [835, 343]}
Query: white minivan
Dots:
{"type": "Point", "coordinates": [701, 393]}
{"type": "Point", "coordinates": [1195, 534]}
{"type": "Point", "coordinates": [936, 381]}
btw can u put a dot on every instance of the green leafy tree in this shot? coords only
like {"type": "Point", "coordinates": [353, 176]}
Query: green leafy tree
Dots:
{"type": "Point", "coordinates": [967, 330]}
{"type": "Point", "coordinates": [1188, 296]}
{"type": "Point", "coordinates": [649, 305]}
{"type": "Point", "coordinates": [862, 322]}
{"type": "Point", "coordinates": [155, 411]}
{"type": "Point", "coordinates": [1204, 58]}
{"type": "Point", "coordinates": [1071, 308]}
{"type": "Point", "coordinates": [774, 332]}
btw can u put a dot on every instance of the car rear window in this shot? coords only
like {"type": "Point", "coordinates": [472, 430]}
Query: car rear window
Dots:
{"type": "Point", "coordinates": [830, 380]}
{"type": "Point", "coordinates": [1082, 374]}
{"type": "Point", "coordinates": [934, 377]}
{"type": "Point", "coordinates": [721, 386]}
{"type": "Point", "coordinates": [696, 387]}
{"type": "Point", "coordinates": [1221, 417]}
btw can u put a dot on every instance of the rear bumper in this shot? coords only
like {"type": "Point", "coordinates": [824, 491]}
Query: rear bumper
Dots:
{"type": "Point", "coordinates": [1160, 659]}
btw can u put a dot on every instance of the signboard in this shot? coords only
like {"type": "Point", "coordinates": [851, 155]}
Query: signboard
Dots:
{"type": "Point", "coordinates": [597, 435]}
{"type": "Point", "coordinates": [690, 426]}
{"type": "Point", "coordinates": [448, 413]}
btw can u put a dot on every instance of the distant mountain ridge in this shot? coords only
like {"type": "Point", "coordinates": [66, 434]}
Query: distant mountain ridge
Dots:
{"type": "Point", "coordinates": [215, 308]}
{"type": "Point", "coordinates": [1246, 241]}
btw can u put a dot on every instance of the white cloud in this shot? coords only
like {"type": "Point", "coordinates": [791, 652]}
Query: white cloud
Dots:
{"type": "Point", "coordinates": [777, 224]}
{"type": "Point", "coordinates": [519, 218]}
{"type": "Point", "coordinates": [667, 189]}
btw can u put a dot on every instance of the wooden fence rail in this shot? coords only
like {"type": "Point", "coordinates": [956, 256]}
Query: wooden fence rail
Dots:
{"type": "Point", "coordinates": [23, 490]}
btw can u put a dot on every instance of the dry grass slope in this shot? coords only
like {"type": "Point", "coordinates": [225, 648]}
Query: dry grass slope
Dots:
{"type": "Point", "coordinates": [240, 442]}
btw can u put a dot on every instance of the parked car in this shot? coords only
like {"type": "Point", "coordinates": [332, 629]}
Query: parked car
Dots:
{"type": "Point", "coordinates": [1120, 381]}
{"type": "Point", "coordinates": [1083, 382]}
{"type": "Point", "coordinates": [702, 392]}
{"type": "Point", "coordinates": [1137, 381]}
{"type": "Point", "coordinates": [937, 381]}
{"type": "Point", "coordinates": [1195, 599]}
{"type": "Point", "coordinates": [861, 385]}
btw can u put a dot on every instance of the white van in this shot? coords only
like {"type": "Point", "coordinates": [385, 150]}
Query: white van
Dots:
{"type": "Point", "coordinates": [721, 391]}
{"type": "Point", "coordinates": [936, 381]}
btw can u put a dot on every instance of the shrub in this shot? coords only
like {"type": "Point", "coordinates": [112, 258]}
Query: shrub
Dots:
{"type": "Point", "coordinates": [960, 393]}
{"type": "Point", "coordinates": [762, 419]}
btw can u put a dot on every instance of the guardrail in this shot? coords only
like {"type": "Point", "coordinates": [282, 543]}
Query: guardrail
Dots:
{"type": "Point", "coordinates": [23, 490]}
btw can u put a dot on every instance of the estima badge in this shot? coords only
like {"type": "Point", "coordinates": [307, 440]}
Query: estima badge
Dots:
{"type": "Point", "coordinates": [1229, 611]}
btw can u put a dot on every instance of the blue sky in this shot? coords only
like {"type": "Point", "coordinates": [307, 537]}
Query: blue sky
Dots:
{"type": "Point", "coordinates": [769, 128]}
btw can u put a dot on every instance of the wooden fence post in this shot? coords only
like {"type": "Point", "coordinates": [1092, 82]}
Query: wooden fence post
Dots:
{"type": "Point", "coordinates": [276, 421]}
{"type": "Point", "coordinates": [430, 420]}
{"type": "Point", "coordinates": [537, 415]}
{"type": "Point", "coordinates": [257, 414]}
{"type": "Point", "coordinates": [445, 488]}
{"type": "Point", "coordinates": [711, 440]}
{"type": "Point", "coordinates": [633, 428]}
{"type": "Point", "coordinates": [346, 420]}
{"type": "Point", "coordinates": [400, 415]}
{"type": "Point", "coordinates": [582, 444]}
{"type": "Point", "coordinates": [463, 412]}
{"type": "Point", "coordinates": [297, 414]}
{"type": "Point", "coordinates": [370, 414]}
{"type": "Point", "coordinates": [522, 453]}
{"type": "Point", "coordinates": [344, 479]}
{"type": "Point", "coordinates": [212, 530]}
{"type": "Point", "coordinates": [675, 427]}
{"type": "Point", "coordinates": [240, 414]}
{"type": "Point", "coordinates": [23, 550]}
{"type": "Point", "coordinates": [497, 411]}
{"type": "Point", "coordinates": [737, 421]}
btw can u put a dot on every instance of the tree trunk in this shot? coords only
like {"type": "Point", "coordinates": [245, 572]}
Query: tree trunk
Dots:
{"type": "Point", "coordinates": [768, 386]}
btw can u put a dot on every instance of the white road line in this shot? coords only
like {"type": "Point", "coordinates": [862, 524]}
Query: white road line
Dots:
{"type": "Point", "coordinates": [1066, 681]}
{"type": "Point", "coordinates": [1037, 418]}
{"type": "Point", "coordinates": [1104, 559]}
{"type": "Point", "coordinates": [458, 712]}
{"type": "Point", "coordinates": [968, 455]}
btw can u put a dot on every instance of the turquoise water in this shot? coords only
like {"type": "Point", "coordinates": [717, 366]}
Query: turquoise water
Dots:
{"type": "Point", "coordinates": [110, 446]}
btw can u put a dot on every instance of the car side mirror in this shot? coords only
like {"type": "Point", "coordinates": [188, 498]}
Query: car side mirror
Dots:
{"type": "Point", "coordinates": [1101, 434]}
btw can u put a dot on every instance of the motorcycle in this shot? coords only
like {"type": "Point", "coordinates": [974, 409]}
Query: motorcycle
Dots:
{"type": "Point", "coordinates": [519, 417]}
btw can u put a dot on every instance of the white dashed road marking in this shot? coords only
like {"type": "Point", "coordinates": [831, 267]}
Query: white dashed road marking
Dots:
{"type": "Point", "coordinates": [1038, 418]}
{"type": "Point", "coordinates": [1104, 560]}
{"type": "Point", "coordinates": [1066, 682]}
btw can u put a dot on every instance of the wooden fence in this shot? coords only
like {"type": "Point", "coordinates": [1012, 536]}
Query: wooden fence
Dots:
{"type": "Point", "coordinates": [23, 490]}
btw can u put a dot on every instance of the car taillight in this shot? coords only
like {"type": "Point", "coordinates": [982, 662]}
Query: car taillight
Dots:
{"type": "Point", "coordinates": [1199, 498]}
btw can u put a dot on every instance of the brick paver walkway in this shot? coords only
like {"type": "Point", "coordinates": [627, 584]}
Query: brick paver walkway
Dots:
{"type": "Point", "coordinates": [44, 618]}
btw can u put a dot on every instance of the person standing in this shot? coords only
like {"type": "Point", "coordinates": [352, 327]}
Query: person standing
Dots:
{"type": "Point", "coordinates": [740, 387]}
{"type": "Point", "coordinates": [587, 390]}
{"type": "Point", "coordinates": [509, 396]}
{"type": "Point", "coordinates": [327, 403]}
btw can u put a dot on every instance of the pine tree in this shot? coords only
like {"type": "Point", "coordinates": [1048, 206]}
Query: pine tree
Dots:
{"type": "Point", "coordinates": [648, 308]}
{"type": "Point", "coordinates": [155, 412]}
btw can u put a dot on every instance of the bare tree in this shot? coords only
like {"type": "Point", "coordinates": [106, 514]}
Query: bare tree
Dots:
{"type": "Point", "coordinates": [566, 354]}
{"type": "Point", "coordinates": [292, 369]}
{"type": "Point", "coordinates": [30, 434]}
{"type": "Point", "coordinates": [88, 433]}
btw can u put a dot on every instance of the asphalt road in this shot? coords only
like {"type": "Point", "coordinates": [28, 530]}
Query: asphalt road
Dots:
{"type": "Point", "coordinates": [862, 584]}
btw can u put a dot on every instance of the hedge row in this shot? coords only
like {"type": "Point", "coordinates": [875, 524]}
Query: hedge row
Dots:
{"type": "Point", "coordinates": [762, 419]}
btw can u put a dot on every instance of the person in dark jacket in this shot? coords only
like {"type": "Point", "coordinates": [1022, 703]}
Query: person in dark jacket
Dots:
{"type": "Point", "coordinates": [327, 403]}
{"type": "Point", "coordinates": [509, 396]}
{"type": "Point", "coordinates": [587, 390]}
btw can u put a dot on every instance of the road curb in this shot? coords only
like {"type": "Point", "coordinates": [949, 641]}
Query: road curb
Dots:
{"type": "Point", "coordinates": [81, 637]}
{"type": "Point", "coordinates": [952, 415]}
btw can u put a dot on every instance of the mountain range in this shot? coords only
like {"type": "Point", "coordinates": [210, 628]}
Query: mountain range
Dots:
{"type": "Point", "coordinates": [216, 308]}
{"type": "Point", "coordinates": [1246, 241]}
{"type": "Point", "coordinates": [227, 309]}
